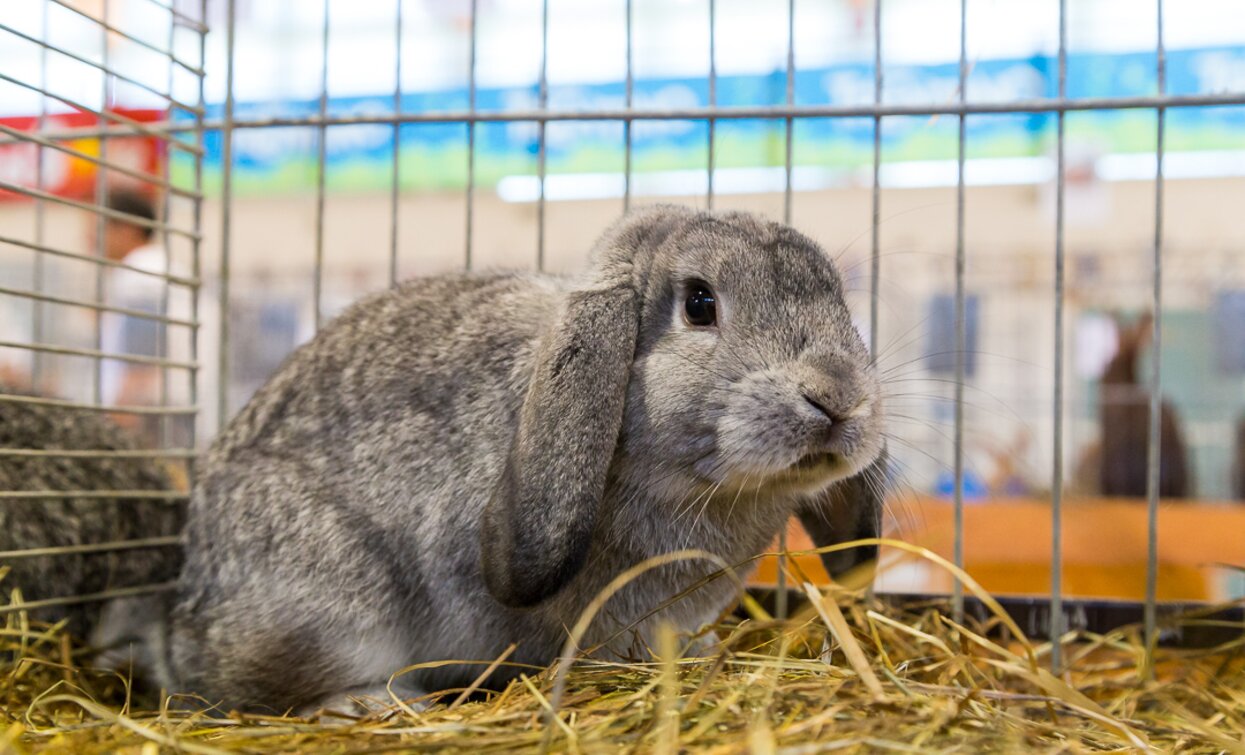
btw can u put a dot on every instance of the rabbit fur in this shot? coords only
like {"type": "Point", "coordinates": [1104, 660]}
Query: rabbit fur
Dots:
{"type": "Point", "coordinates": [131, 629]}
{"type": "Point", "coordinates": [466, 461]}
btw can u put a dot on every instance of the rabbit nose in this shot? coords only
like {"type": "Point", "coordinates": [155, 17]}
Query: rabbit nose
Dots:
{"type": "Point", "coordinates": [835, 418]}
{"type": "Point", "coordinates": [834, 426]}
{"type": "Point", "coordinates": [834, 390]}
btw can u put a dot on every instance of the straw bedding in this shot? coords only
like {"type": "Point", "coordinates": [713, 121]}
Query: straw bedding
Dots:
{"type": "Point", "coordinates": [844, 673]}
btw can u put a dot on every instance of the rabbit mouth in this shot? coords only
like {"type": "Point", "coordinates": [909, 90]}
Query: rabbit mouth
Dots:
{"type": "Point", "coordinates": [819, 459]}
{"type": "Point", "coordinates": [817, 469]}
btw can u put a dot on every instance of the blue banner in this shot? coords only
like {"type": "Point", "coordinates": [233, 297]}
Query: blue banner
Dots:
{"type": "Point", "coordinates": [433, 156]}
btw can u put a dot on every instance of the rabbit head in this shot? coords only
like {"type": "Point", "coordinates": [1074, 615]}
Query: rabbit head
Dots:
{"type": "Point", "coordinates": [704, 352]}
{"type": "Point", "coordinates": [1133, 340]}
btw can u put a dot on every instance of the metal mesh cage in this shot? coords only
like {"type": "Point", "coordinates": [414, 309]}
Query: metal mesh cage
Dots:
{"type": "Point", "coordinates": [179, 124]}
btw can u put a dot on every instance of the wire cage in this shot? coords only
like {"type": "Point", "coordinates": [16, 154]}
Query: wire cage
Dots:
{"type": "Point", "coordinates": [160, 134]}
{"type": "Point", "coordinates": [95, 141]}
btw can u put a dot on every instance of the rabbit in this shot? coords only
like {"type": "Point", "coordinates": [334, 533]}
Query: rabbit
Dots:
{"type": "Point", "coordinates": [465, 461]}
{"type": "Point", "coordinates": [130, 630]}
{"type": "Point", "coordinates": [1125, 408]}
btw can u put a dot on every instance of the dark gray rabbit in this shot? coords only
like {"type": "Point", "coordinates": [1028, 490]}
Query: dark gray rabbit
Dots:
{"type": "Point", "coordinates": [132, 627]}
{"type": "Point", "coordinates": [465, 461]}
{"type": "Point", "coordinates": [1125, 417]}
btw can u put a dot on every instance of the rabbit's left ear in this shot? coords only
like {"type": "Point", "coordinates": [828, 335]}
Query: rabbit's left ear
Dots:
{"type": "Point", "coordinates": [539, 521]}
{"type": "Point", "coordinates": [848, 510]}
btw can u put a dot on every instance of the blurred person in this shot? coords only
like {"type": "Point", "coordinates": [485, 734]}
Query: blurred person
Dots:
{"type": "Point", "coordinates": [140, 286]}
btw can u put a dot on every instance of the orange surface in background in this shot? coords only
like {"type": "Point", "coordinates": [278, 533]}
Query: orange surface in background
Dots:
{"type": "Point", "coordinates": [1007, 546]}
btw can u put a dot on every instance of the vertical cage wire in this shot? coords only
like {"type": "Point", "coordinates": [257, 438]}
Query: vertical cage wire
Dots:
{"type": "Point", "coordinates": [166, 205]}
{"type": "Point", "coordinates": [37, 282]}
{"type": "Point", "coordinates": [322, 138]}
{"type": "Point", "coordinates": [961, 335]}
{"type": "Point", "coordinates": [713, 102]}
{"type": "Point", "coordinates": [196, 244]}
{"type": "Point", "coordinates": [780, 607]}
{"type": "Point", "coordinates": [101, 196]}
{"type": "Point", "coordinates": [1057, 404]}
{"type": "Point", "coordinates": [1156, 372]}
{"type": "Point", "coordinates": [875, 199]}
{"type": "Point", "coordinates": [223, 358]}
{"type": "Point", "coordinates": [542, 138]}
{"type": "Point", "coordinates": [628, 102]}
{"type": "Point", "coordinates": [789, 141]}
{"type": "Point", "coordinates": [396, 177]}
{"type": "Point", "coordinates": [471, 132]}
{"type": "Point", "coordinates": [875, 206]}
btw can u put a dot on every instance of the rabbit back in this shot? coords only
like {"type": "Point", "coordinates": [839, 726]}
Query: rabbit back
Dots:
{"type": "Point", "coordinates": [336, 522]}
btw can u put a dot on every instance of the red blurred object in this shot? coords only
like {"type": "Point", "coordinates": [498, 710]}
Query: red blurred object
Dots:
{"type": "Point", "coordinates": [68, 176]}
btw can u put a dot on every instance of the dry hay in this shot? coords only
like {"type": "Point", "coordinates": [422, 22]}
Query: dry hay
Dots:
{"type": "Point", "coordinates": [846, 673]}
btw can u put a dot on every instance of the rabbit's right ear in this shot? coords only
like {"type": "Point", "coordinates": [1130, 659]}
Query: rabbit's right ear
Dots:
{"type": "Point", "coordinates": [538, 524]}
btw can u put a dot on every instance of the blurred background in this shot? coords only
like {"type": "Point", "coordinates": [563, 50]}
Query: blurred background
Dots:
{"type": "Point", "coordinates": [1009, 231]}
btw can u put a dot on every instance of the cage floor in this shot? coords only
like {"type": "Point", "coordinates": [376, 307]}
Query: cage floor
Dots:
{"type": "Point", "coordinates": [850, 675]}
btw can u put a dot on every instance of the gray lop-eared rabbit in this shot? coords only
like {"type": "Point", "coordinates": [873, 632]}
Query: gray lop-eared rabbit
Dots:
{"type": "Point", "coordinates": [466, 461]}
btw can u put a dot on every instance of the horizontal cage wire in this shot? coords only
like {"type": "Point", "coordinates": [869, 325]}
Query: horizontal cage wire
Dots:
{"type": "Point", "coordinates": [192, 387]}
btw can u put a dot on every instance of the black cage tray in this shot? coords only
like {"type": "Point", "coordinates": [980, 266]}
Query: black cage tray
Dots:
{"type": "Point", "coordinates": [1181, 624]}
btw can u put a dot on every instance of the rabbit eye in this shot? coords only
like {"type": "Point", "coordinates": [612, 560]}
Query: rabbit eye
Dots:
{"type": "Point", "coordinates": [701, 305]}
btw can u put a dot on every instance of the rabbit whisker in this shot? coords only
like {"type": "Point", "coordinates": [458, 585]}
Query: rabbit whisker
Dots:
{"type": "Point", "coordinates": [738, 493]}
{"type": "Point", "coordinates": [703, 507]}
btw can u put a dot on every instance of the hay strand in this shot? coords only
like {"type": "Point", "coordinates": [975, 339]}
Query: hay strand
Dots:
{"type": "Point", "coordinates": [833, 616]}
